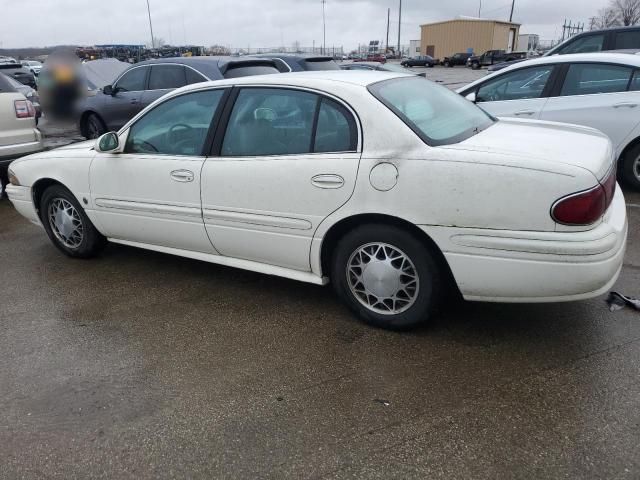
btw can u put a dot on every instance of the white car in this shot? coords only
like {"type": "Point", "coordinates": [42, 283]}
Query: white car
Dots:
{"type": "Point", "coordinates": [297, 175]}
{"type": "Point", "coordinates": [33, 65]}
{"type": "Point", "coordinates": [599, 90]}
{"type": "Point", "coordinates": [18, 133]}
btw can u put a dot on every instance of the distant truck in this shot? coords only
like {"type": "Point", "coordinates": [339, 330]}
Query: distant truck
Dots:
{"type": "Point", "coordinates": [491, 57]}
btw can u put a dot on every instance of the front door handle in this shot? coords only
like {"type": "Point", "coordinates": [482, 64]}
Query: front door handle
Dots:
{"type": "Point", "coordinates": [327, 181]}
{"type": "Point", "coordinates": [134, 101]}
{"type": "Point", "coordinates": [184, 176]}
{"type": "Point", "coordinates": [525, 112]}
{"type": "Point", "coordinates": [625, 104]}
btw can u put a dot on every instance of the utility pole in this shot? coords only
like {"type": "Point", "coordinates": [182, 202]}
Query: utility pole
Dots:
{"type": "Point", "coordinates": [153, 42]}
{"type": "Point", "coordinates": [513, 4]}
{"type": "Point", "coordinates": [480, 10]}
{"type": "Point", "coordinates": [324, 30]}
{"type": "Point", "coordinates": [388, 14]}
{"type": "Point", "coordinates": [399, 27]}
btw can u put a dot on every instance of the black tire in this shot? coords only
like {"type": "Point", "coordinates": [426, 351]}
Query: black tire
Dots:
{"type": "Point", "coordinates": [629, 170]}
{"type": "Point", "coordinates": [447, 64]}
{"type": "Point", "coordinates": [90, 243]}
{"type": "Point", "coordinates": [431, 65]}
{"type": "Point", "coordinates": [93, 126]}
{"type": "Point", "coordinates": [429, 279]}
{"type": "Point", "coordinates": [475, 66]}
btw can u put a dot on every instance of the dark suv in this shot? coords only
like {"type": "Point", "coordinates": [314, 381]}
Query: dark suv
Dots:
{"type": "Point", "coordinates": [19, 72]}
{"type": "Point", "coordinates": [141, 84]}
{"type": "Point", "coordinates": [622, 38]}
{"type": "Point", "coordinates": [421, 61]}
{"type": "Point", "coordinates": [457, 59]}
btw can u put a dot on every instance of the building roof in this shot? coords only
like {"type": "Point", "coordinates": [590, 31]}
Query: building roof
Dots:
{"type": "Point", "coordinates": [470, 19]}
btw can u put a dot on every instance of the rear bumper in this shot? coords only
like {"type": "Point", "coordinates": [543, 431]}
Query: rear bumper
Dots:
{"type": "Point", "coordinates": [8, 153]}
{"type": "Point", "coordinates": [536, 267]}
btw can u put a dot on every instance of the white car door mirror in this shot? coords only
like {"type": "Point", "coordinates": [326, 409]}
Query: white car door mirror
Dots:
{"type": "Point", "coordinates": [472, 97]}
{"type": "Point", "coordinates": [108, 143]}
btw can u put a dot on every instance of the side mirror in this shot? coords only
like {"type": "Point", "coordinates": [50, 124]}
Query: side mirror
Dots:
{"type": "Point", "coordinates": [472, 97]}
{"type": "Point", "coordinates": [108, 143]}
{"type": "Point", "coordinates": [108, 90]}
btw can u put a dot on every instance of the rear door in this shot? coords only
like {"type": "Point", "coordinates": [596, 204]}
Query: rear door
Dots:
{"type": "Point", "coordinates": [126, 101]}
{"type": "Point", "coordinates": [518, 93]}
{"type": "Point", "coordinates": [288, 158]}
{"type": "Point", "coordinates": [597, 95]}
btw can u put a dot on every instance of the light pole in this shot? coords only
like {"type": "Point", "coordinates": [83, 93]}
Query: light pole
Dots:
{"type": "Point", "coordinates": [324, 30]}
{"type": "Point", "coordinates": [399, 27]}
{"type": "Point", "coordinates": [513, 4]}
{"type": "Point", "coordinates": [153, 42]}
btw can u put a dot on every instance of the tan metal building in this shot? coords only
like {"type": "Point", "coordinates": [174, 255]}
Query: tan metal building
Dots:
{"type": "Point", "coordinates": [443, 39]}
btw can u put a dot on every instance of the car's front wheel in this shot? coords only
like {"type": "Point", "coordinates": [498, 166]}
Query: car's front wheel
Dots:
{"type": "Point", "coordinates": [387, 276]}
{"type": "Point", "coordinates": [67, 225]}
{"type": "Point", "coordinates": [93, 126]}
{"type": "Point", "coordinates": [630, 168]}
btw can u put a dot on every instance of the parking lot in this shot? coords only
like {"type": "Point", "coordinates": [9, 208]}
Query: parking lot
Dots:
{"type": "Point", "coordinates": [143, 365]}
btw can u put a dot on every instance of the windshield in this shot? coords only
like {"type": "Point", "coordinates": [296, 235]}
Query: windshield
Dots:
{"type": "Point", "coordinates": [437, 115]}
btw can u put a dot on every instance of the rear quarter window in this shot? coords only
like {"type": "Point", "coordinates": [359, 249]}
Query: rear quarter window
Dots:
{"type": "Point", "coordinates": [627, 40]}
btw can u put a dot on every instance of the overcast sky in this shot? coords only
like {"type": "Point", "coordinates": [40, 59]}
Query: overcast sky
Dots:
{"type": "Point", "coordinates": [260, 23]}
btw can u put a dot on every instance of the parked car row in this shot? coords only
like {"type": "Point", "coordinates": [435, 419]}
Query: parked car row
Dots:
{"type": "Point", "coordinates": [393, 188]}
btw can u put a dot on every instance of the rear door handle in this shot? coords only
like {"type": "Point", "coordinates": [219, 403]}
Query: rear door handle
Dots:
{"type": "Point", "coordinates": [184, 176]}
{"type": "Point", "coordinates": [625, 104]}
{"type": "Point", "coordinates": [525, 112]}
{"type": "Point", "coordinates": [327, 181]}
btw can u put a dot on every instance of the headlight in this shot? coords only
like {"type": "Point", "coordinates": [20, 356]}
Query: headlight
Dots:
{"type": "Point", "coordinates": [13, 180]}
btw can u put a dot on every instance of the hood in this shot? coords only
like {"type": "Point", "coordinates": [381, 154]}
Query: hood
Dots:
{"type": "Point", "coordinates": [73, 149]}
{"type": "Point", "coordinates": [546, 143]}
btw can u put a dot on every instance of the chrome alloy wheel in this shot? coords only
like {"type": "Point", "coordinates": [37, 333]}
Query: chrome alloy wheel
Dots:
{"type": "Point", "coordinates": [383, 278]}
{"type": "Point", "coordinates": [65, 222]}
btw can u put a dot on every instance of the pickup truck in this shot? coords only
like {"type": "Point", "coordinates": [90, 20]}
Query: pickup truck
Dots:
{"type": "Point", "coordinates": [491, 57]}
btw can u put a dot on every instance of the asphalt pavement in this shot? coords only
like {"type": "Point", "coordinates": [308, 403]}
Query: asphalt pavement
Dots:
{"type": "Point", "coordinates": [143, 365]}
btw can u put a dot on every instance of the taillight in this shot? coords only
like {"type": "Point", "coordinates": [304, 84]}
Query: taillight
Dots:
{"type": "Point", "coordinates": [24, 109]}
{"type": "Point", "coordinates": [586, 207]}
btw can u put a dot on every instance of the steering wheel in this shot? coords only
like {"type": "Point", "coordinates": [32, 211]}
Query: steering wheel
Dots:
{"type": "Point", "coordinates": [176, 127]}
{"type": "Point", "coordinates": [147, 147]}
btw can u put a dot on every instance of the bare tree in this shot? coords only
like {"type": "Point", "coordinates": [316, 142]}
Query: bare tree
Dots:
{"type": "Point", "coordinates": [627, 11]}
{"type": "Point", "coordinates": [607, 18]}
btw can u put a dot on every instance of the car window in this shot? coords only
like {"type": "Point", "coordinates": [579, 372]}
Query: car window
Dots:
{"type": "Point", "coordinates": [178, 126]}
{"type": "Point", "coordinates": [518, 85]}
{"type": "Point", "coordinates": [320, 65]}
{"type": "Point", "coordinates": [437, 115]}
{"type": "Point", "coordinates": [270, 121]}
{"type": "Point", "coordinates": [588, 79]}
{"type": "Point", "coordinates": [336, 130]}
{"type": "Point", "coordinates": [133, 80]}
{"type": "Point", "coordinates": [630, 39]}
{"type": "Point", "coordinates": [193, 76]}
{"type": "Point", "coordinates": [634, 86]}
{"type": "Point", "coordinates": [586, 44]}
{"type": "Point", "coordinates": [249, 70]}
{"type": "Point", "coordinates": [164, 77]}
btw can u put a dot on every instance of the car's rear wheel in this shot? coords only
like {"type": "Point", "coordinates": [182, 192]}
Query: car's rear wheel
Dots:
{"type": "Point", "coordinates": [93, 126]}
{"type": "Point", "coordinates": [67, 225]}
{"type": "Point", "coordinates": [475, 66]}
{"type": "Point", "coordinates": [387, 276]}
{"type": "Point", "coordinates": [447, 64]}
{"type": "Point", "coordinates": [630, 168]}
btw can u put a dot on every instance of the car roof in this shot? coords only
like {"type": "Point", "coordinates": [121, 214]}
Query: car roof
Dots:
{"type": "Point", "coordinates": [362, 78]}
{"type": "Point", "coordinates": [630, 59]}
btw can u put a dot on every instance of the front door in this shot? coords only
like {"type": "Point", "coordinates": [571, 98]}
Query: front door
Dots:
{"type": "Point", "coordinates": [288, 159]}
{"type": "Point", "coordinates": [126, 100]}
{"type": "Point", "coordinates": [150, 193]}
{"type": "Point", "coordinates": [519, 93]}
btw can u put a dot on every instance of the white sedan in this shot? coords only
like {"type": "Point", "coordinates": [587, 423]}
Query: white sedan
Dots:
{"type": "Point", "coordinates": [599, 90]}
{"type": "Point", "coordinates": [387, 185]}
